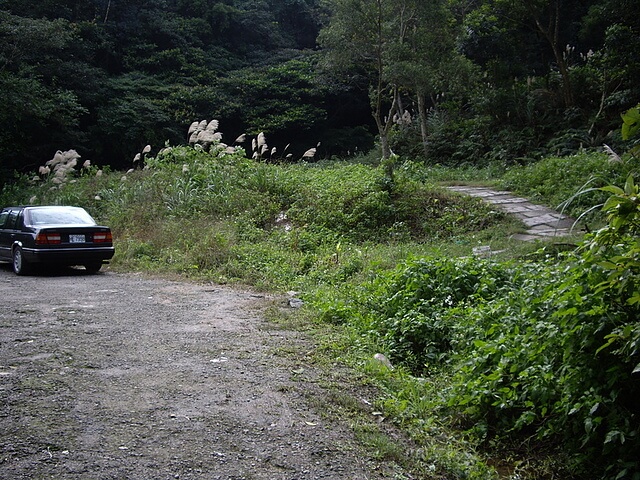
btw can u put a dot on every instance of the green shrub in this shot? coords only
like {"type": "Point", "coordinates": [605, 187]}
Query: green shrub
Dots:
{"type": "Point", "coordinates": [533, 349]}
{"type": "Point", "coordinates": [419, 313]}
{"type": "Point", "coordinates": [542, 181]}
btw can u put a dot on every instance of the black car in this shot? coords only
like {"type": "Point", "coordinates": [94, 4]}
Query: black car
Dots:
{"type": "Point", "coordinates": [54, 235]}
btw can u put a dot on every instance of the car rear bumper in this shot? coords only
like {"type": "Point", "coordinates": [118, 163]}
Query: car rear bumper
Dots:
{"type": "Point", "coordinates": [68, 256]}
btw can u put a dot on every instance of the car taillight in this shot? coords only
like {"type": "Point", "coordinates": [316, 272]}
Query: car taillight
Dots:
{"type": "Point", "coordinates": [102, 237]}
{"type": "Point", "coordinates": [48, 238]}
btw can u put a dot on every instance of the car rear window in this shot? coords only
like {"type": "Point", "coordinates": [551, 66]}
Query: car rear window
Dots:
{"type": "Point", "coordinates": [60, 216]}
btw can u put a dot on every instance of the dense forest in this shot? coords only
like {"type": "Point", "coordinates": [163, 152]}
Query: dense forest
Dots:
{"type": "Point", "coordinates": [443, 81]}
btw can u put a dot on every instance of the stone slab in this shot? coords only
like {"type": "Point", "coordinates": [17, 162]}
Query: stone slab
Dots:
{"type": "Point", "coordinates": [542, 222]}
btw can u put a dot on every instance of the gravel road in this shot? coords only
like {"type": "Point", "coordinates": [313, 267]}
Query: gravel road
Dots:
{"type": "Point", "coordinates": [121, 376]}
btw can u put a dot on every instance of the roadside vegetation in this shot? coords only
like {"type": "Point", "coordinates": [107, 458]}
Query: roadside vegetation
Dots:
{"type": "Point", "coordinates": [522, 365]}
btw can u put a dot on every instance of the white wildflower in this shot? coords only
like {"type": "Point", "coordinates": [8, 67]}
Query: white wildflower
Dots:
{"type": "Point", "coordinates": [185, 168]}
{"type": "Point", "coordinates": [86, 164]}
{"type": "Point", "coordinates": [99, 173]}
{"type": "Point", "coordinates": [309, 153]}
{"type": "Point", "coordinates": [209, 136]}
{"type": "Point", "coordinates": [71, 155]}
{"type": "Point", "coordinates": [97, 197]}
{"type": "Point", "coordinates": [193, 128]}
{"type": "Point", "coordinates": [613, 156]}
{"type": "Point", "coordinates": [57, 158]}
{"type": "Point", "coordinates": [60, 171]}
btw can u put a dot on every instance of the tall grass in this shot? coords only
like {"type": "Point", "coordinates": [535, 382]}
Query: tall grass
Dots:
{"type": "Point", "coordinates": [559, 181]}
{"type": "Point", "coordinates": [233, 219]}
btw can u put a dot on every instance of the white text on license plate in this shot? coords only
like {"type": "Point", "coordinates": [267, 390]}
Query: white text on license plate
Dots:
{"type": "Point", "coordinates": [76, 239]}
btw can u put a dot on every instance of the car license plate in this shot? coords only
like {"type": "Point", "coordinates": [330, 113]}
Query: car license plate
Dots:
{"type": "Point", "coordinates": [76, 239]}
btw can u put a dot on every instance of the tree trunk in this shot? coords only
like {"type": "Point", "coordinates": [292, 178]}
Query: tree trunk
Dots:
{"type": "Point", "coordinates": [384, 123]}
{"type": "Point", "coordinates": [552, 34]}
{"type": "Point", "coordinates": [106, 15]}
{"type": "Point", "coordinates": [384, 145]}
{"type": "Point", "coordinates": [422, 115]}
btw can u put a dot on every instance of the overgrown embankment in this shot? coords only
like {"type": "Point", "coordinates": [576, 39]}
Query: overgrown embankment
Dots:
{"type": "Point", "coordinates": [220, 215]}
{"type": "Point", "coordinates": [533, 357]}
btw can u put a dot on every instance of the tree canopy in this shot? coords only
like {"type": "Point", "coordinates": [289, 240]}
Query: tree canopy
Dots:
{"type": "Point", "coordinates": [454, 81]}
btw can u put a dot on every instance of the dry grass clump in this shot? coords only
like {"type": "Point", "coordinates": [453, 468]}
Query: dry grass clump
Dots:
{"type": "Point", "coordinates": [261, 150]}
{"type": "Point", "coordinates": [61, 168]}
{"type": "Point", "coordinates": [138, 160]}
{"type": "Point", "coordinates": [204, 134]}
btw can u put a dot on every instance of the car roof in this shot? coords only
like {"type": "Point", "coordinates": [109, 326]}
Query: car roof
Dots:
{"type": "Point", "coordinates": [40, 215]}
{"type": "Point", "coordinates": [23, 207]}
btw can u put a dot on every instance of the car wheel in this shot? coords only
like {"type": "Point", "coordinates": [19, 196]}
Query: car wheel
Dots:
{"type": "Point", "coordinates": [20, 265]}
{"type": "Point", "coordinates": [93, 267]}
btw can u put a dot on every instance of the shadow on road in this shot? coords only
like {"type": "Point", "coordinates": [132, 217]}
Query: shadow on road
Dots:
{"type": "Point", "coordinates": [52, 271]}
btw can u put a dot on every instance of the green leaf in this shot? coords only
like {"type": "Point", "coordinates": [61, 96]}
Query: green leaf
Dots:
{"type": "Point", "coordinates": [612, 203]}
{"type": "Point", "coordinates": [629, 186]}
{"type": "Point", "coordinates": [613, 434]}
{"type": "Point", "coordinates": [612, 189]}
{"type": "Point", "coordinates": [631, 123]}
{"type": "Point", "coordinates": [611, 339]}
{"type": "Point", "coordinates": [479, 343]}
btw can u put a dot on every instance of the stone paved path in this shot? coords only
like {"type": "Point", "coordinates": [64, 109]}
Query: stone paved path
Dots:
{"type": "Point", "coordinates": [542, 222]}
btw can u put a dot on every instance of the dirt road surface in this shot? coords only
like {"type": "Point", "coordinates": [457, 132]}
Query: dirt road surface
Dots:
{"type": "Point", "coordinates": [120, 376]}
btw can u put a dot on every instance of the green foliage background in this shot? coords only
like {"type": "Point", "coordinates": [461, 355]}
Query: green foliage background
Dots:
{"type": "Point", "coordinates": [107, 78]}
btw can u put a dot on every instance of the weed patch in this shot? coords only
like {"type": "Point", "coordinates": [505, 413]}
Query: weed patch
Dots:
{"type": "Point", "coordinates": [487, 354]}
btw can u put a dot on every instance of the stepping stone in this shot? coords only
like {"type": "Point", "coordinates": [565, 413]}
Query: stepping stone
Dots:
{"type": "Point", "coordinates": [543, 222]}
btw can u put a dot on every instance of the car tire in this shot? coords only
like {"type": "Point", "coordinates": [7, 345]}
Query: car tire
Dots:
{"type": "Point", "coordinates": [20, 265]}
{"type": "Point", "coordinates": [93, 267]}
